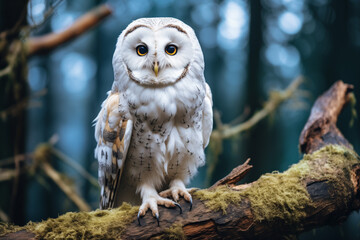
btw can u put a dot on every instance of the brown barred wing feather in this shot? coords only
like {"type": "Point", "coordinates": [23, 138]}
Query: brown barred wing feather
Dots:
{"type": "Point", "coordinates": [113, 134]}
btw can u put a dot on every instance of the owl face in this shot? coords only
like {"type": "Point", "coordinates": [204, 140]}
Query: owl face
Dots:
{"type": "Point", "coordinates": [156, 51]}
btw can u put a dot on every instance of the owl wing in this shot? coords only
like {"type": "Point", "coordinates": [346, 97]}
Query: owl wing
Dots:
{"type": "Point", "coordinates": [113, 135]}
{"type": "Point", "coordinates": [207, 121]}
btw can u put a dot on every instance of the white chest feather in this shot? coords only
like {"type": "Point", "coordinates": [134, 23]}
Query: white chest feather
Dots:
{"type": "Point", "coordinates": [167, 139]}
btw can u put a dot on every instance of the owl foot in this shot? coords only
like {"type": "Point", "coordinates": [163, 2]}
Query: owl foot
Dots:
{"type": "Point", "coordinates": [152, 204]}
{"type": "Point", "coordinates": [176, 192]}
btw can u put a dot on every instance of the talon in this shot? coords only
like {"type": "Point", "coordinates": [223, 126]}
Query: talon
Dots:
{"type": "Point", "coordinates": [138, 218]}
{"type": "Point", "coordinates": [190, 204]}
{"type": "Point", "coordinates": [178, 205]}
{"type": "Point", "coordinates": [157, 219]}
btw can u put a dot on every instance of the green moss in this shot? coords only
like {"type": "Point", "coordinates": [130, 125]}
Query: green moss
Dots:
{"type": "Point", "coordinates": [6, 228]}
{"type": "Point", "coordinates": [99, 224]}
{"type": "Point", "coordinates": [274, 197]}
{"type": "Point", "coordinates": [218, 199]}
{"type": "Point", "coordinates": [283, 196]}
{"type": "Point", "coordinates": [175, 232]}
{"type": "Point", "coordinates": [335, 163]}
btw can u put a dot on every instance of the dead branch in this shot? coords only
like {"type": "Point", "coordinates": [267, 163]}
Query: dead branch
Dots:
{"type": "Point", "coordinates": [17, 108]}
{"type": "Point", "coordinates": [46, 16]}
{"type": "Point", "coordinates": [68, 190]}
{"type": "Point", "coordinates": [41, 159]}
{"type": "Point", "coordinates": [276, 98]}
{"type": "Point", "coordinates": [235, 175]}
{"type": "Point", "coordinates": [320, 128]}
{"type": "Point", "coordinates": [66, 159]}
{"type": "Point", "coordinates": [42, 156]}
{"type": "Point", "coordinates": [226, 131]}
{"type": "Point", "coordinates": [44, 44]}
{"type": "Point", "coordinates": [323, 188]}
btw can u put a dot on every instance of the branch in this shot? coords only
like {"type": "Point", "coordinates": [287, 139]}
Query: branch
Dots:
{"type": "Point", "coordinates": [41, 158]}
{"type": "Point", "coordinates": [276, 98]}
{"type": "Point", "coordinates": [44, 44]}
{"type": "Point", "coordinates": [320, 128]}
{"type": "Point", "coordinates": [323, 188]}
{"type": "Point", "coordinates": [234, 176]}
{"type": "Point", "coordinates": [226, 131]}
{"type": "Point", "coordinates": [63, 157]}
{"type": "Point", "coordinates": [18, 107]}
{"type": "Point", "coordinates": [68, 190]}
{"type": "Point", "coordinates": [46, 15]}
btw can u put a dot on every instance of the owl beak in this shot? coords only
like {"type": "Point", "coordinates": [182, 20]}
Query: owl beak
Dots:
{"type": "Point", "coordinates": [156, 68]}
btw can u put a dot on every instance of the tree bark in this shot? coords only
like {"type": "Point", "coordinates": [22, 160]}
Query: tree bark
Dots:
{"type": "Point", "coordinates": [326, 205]}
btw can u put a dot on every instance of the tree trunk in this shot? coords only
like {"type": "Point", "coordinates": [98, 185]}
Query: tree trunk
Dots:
{"type": "Point", "coordinates": [14, 95]}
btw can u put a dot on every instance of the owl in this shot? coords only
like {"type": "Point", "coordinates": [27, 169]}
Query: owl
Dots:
{"type": "Point", "coordinates": [156, 120]}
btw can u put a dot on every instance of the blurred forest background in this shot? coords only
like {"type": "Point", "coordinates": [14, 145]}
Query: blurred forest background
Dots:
{"type": "Point", "coordinates": [250, 48]}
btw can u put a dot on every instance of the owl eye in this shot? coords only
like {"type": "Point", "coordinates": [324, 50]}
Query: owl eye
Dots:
{"type": "Point", "coordinates": [141, 50]}
{"type": "Point", "coordinates": [171, 49]}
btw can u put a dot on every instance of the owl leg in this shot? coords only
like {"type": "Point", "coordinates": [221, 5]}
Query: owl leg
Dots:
{"type": "Point", "coordinates": [177, 189]}
{"type": "Point", "coordinates": [151, 200]}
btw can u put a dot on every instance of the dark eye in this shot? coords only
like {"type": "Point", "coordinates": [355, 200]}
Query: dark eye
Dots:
{"type": "Point", "coordinates": [171, 49]}
{"type": "Point", "coordinates": [141, 50]}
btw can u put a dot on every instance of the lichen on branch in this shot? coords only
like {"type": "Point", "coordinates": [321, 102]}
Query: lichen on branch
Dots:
{"type": "Point", "coordinates": [283, 196]}
{"type": "Point", "coordinates": [99, 224]}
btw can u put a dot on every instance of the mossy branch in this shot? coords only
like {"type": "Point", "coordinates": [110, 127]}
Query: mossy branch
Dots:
{"type": "Point", "coordinates": [323, 188]}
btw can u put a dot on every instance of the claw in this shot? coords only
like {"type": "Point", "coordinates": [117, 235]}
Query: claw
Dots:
{"type": "Point", "coordinates": [190, 204]}
{"type": "Point", "coordinates": [138, 218]}
{"type": "Point", "coordinates": [178, 205]}
{"type": "Point", "coordinates": [157, 219]}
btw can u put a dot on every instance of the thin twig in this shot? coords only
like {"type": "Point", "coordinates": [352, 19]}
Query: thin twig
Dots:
{"type": "Point", "coordinates": [46, 16]}
{"type": "Point", "coordinates": [46, 43]}
{"type": "Point", "coordinates": [10, 160]}
{"type": "Point", "coordinates": [21, 105]}
{"type": "Point", "coordinates": [276, 98]}
{"type": "Point", "coordinates": [75, 165]}
{"type": "Point", "coordinates": [16, 48]}
{"type": "Point", "coordinates": [57, 153]}
{"type": "Point", "coordinates": [68, 190]}
{"type": "Point", "coordinates": [242, 117]}
{"type": "Point", "coordinates": [217, 119]}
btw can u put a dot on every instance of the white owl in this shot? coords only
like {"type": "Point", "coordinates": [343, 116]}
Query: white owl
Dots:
{"type": "Point", "coordinates": [157, 119]}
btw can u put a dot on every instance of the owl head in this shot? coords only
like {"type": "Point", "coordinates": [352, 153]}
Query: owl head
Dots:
{"type": "Point", "coordinates": [157, 52]}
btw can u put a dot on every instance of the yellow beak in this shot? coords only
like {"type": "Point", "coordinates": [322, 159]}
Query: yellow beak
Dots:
{"type": "Point", "coordinates": [156, 68]}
